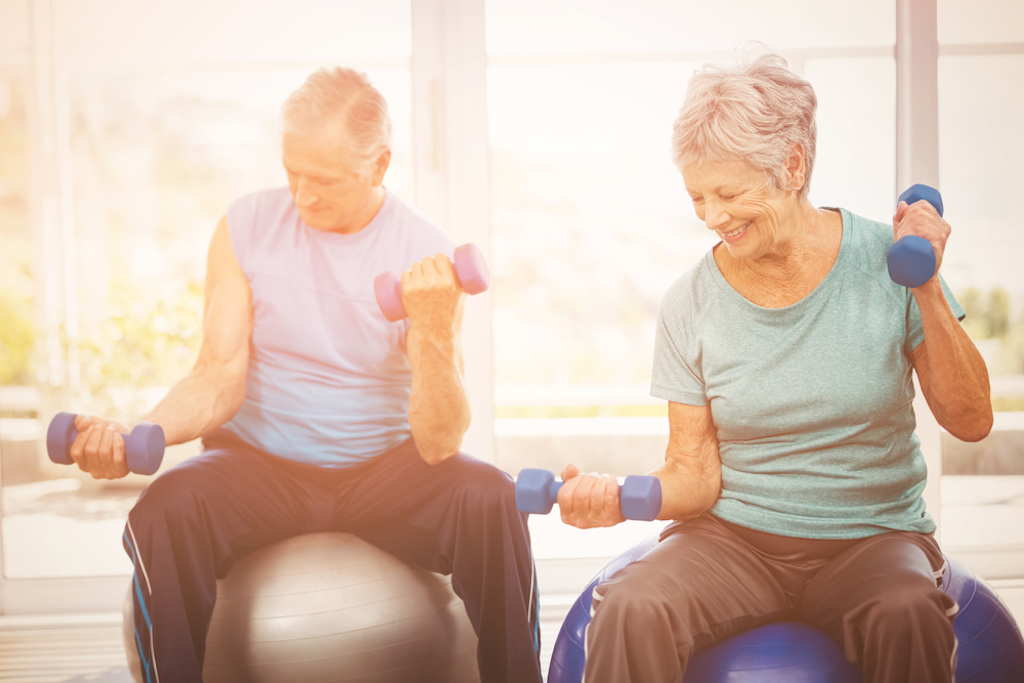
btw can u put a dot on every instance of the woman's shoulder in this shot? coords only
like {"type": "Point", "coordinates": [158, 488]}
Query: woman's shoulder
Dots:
{"type": "Point", "coordinates": [693, 291]}
{"type": "Point", "coordinates": [867, 233]}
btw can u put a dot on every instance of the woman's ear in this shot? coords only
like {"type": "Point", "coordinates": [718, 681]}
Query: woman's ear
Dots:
{"type": "Point", "coordinates": [796, 167]}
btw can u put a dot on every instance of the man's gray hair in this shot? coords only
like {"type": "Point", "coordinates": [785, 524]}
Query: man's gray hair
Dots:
{"type": "Point", "coordinates": [346, 100]}
{"type": "Point", "coordinates": [753, 111]}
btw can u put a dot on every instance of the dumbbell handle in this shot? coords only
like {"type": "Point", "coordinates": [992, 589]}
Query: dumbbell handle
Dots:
{"type": "Point", "coordinates": [911, 259]}
{"type": "Point", "coordinates": [144, 447]}
{"type": "Point", "coordinates": [470, 270]}
{"type": "Point", "coordinates": [639, 496]}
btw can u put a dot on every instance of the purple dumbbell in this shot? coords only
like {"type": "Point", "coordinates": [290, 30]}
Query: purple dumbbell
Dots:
{"type": "Point", "coordinates": [639, 495]}
{"type": "Point", "coordinates": [144, 447]}
{"type": "Point", "coordinates": [470, 270]}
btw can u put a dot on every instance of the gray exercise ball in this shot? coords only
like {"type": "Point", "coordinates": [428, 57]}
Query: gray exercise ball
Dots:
{"type": "Point", "coordinates": [331, 607]}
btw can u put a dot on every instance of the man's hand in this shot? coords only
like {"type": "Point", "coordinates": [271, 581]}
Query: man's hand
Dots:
{"type": "Point", "coordinates": [99, 447]}
{"type": "Point", "coordinates": [431, 293]}
{"type": "Point", "coordinates": [589, 500]}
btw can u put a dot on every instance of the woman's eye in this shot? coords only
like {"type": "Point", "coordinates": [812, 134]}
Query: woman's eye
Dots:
{"type": "Point", "coordinates": [728, 197]}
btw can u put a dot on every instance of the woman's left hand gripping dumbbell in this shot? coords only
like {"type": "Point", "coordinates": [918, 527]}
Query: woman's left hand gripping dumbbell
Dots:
{"type": "Point", "coordinates": [104, 448]}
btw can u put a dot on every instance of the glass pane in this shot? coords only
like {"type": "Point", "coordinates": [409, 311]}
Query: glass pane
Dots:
{"type": "Point", "coordinates": [558, 27]}
{"type": "Point", "coordinates": [856, 158]}
{"type": "Point", "coordinates": [14, 31]}
{"type": "Point", "coordinates": [156, 162]}
{"type": "Point", "coordinates": [592, 224]}
{"type": "Point", "coordinates": [980, 21]}
{"type": "Point", "coordinates": [981, 152]}
{"type": "Point", "coordinates": [127, 34]}
{"type": "Point", "coordinates": [156, 159]}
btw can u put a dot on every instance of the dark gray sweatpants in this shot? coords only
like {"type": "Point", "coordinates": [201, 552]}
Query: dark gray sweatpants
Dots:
{"type": "Point", "coordinates": [707, 580]}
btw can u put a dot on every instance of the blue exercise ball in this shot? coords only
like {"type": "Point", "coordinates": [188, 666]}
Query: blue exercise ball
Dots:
{"type": "Point", "coordinates": [990, 648]}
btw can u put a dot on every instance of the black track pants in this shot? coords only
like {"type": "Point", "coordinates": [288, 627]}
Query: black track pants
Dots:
{"type": "Point", "coordinates": [458, 517]}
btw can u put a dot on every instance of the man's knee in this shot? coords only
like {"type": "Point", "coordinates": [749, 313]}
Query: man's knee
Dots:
{"type": "Point", "coordinates": [481, 484]}
{"type": "Point", "coordinates": [174, 497]}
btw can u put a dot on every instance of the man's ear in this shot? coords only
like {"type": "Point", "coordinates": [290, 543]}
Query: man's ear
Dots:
{"type": "Point", "coordinates": [380, 167]}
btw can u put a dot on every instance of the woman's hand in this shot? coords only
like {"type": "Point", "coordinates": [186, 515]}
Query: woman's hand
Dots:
{"type": "Point", "coordinates": [921, 219]}
{"type": "Point", "coordinates": [589, 500]}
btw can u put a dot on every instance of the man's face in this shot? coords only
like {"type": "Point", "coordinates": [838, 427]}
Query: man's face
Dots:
{"type": "Point", "coordinates": [331, 192]}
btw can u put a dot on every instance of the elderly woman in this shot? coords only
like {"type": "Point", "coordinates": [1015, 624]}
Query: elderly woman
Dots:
{"type": "Point", "coordinates": [792, 472]}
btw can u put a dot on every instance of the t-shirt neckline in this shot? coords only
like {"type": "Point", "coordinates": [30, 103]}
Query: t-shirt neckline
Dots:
{"type": "Point", "coordinates": [825, 284]}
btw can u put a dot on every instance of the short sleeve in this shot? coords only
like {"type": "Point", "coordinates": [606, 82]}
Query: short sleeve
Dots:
{"type": "Point", "coordinates": [674, 376]}
{"type": "Point", "coordinates": [915, 328]}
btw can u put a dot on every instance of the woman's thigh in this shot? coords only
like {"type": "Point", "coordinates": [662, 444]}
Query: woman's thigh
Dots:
{"type": "Point", "coordinates": [703, 581]}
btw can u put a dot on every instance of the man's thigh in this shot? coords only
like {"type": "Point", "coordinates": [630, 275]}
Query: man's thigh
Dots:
{"type": "Point", "coordinates": [234, 499]}
{"type": "Point", "coordinates": [415, 510]}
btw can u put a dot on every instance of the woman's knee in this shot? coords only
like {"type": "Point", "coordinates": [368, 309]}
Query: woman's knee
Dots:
{"type": "Point", "coordinates": [911, 604]}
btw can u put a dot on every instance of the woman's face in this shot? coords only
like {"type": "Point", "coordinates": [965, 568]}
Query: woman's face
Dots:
{"type": "Point", "coordinates": [733, 199]}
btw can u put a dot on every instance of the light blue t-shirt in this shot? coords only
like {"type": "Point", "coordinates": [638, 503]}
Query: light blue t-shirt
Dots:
{"type": "Point", "coordinates": [328, 380]}
{"type": "Point", "coordinates": [811, 402]}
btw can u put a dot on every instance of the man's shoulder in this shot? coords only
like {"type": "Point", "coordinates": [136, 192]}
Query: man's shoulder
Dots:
{"type": "Point", "coordinates": [416, 224]}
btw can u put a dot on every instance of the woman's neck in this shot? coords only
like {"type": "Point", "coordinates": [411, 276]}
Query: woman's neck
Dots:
{"type": "Point", "coordinates": [799, 260]}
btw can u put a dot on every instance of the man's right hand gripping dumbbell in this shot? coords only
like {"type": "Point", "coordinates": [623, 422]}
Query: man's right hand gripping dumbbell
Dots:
{"type": "Point", "coordinates": [589, 500]}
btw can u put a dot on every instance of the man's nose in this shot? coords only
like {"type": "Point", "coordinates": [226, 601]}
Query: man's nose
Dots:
{"type": "Point", "coordinates": [304, 196]}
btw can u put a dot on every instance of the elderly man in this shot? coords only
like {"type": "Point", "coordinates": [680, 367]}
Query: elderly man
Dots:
{"type": "Point", "coordinates": [318, 414]}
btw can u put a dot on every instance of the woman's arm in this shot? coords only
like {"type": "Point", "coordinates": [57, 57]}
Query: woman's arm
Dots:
{"type": "Point", "coordinates": [952, 373]}
{"type": "Point", "coordinates": [691, 477]}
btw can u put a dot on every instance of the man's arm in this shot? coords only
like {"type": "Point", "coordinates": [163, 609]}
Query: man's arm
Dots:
{"type": "Point", "coordinates": [439, 412]}
{"type": "Point", "coordinates": [213, 392]}
{"type": "Point", "coordinates": [210, 394]}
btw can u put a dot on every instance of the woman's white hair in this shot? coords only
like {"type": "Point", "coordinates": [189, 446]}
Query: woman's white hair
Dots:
{"type": "Point", "coordinates": [345, 100]}
{"type": "Point", "coordinates": [755, 111]}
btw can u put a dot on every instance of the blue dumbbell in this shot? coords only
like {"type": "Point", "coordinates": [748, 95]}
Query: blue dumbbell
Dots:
{"type": "Point", "coordinates": [911, 259]}
{"type": "Point", "coordinates": [639, 496]}
{"type": "Point", "coordinates": [144, 447]}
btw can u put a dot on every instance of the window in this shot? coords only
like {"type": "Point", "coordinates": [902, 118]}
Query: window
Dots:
{"type": "Point", "coordinates": [981, 87]}
{"type": "Point", "coordinates": [591, 221]}
{"type": "Point", "coordinates": [161, 114]}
